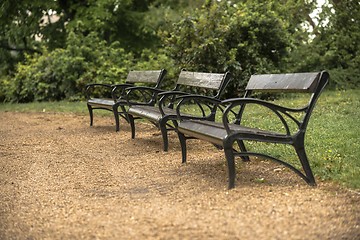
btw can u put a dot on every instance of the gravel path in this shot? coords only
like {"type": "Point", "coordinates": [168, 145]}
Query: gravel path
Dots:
{"type": "Point", "coordinates": [61, 179]}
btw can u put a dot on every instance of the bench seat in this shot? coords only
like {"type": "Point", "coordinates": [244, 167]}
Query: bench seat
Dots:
{"type": "Point", "coordinates": [152, 113]}
{"type": "Point", "coordinates": [102, 102]}
{"type": "Point", "coordinates": [215, 132]}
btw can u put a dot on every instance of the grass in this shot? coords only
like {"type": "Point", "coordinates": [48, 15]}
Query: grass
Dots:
{"type": "Point", "coordinates": [332, 139]}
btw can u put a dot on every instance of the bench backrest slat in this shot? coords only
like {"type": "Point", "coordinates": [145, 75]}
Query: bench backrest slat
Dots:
{"type": "Point", "coordinates": [202, 80]}
{"type": "Point", "coordinates": [292, 82]}
{"type": "Point", "coordinates": [149, 76]}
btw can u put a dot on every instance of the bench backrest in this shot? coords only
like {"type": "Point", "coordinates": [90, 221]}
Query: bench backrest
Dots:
{"type": "Point", "coordinates": [291, 82]}
{"type": "Point", "coordinates": [211, 81]}
{"type": "Point", "coordinates": [148, 76]}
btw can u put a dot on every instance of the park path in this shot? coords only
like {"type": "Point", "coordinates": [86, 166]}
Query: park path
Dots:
{"type": "Point", "coordinates": [61, 179]}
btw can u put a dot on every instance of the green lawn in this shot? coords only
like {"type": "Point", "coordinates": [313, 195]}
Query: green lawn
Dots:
{"type": "Point", "coordinates": [332, 140]}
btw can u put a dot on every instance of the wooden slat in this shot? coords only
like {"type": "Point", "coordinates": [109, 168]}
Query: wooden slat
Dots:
{"type": "Point", "coordinates": [203, 80]}
{"type": "Point", "coordinates": [299, 82]}
{"type": "Point", "coordinates": [143, 76]}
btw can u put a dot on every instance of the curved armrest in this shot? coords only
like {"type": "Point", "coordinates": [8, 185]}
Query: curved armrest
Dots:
{"type": "Point", "coordinates": [169, 96]}
{"type": "Point", "coordinates": [202, 102]}
{"type": "Point", "coordinates": [98, 84]}
{"type": "Point", "coordinates": [133, 88]}
{"type": "Point", "coordinates": [118, 92]}
{"type": "Point", "coordinates": [243, 101]}
{"type": "Point", "coordinates": [278, 110]}
{"type": "Point", "coordinates": [172, 93]}
{"type": "Point", "coordinates": [148, 95]}
{"type": "Point", "coordinates": [90, 86]}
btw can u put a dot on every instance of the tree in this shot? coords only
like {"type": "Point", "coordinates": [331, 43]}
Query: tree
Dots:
{"type": "Point", "coordinates": [26, 26]}
{"type": "Point", "coordinates": [335, 46]}
{"type": "Point", "coordinates": [243, 38]}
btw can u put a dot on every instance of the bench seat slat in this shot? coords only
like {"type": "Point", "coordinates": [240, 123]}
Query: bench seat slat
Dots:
{"type": "Point", "coordinates": [151, 113]}
{"type": "Point", "coordinates": [215, 132]}
{"type": "Point", "coordinates": [101, 101]}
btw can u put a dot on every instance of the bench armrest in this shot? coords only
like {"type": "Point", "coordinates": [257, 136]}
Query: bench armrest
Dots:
{"type": "Point", "coordinates": [90, 87]}
{"type": "Point", "coordinates": [167, 99]}
{"type": "Point", "coordinates": [142, 95]}
{"type": "Point", "coordinates": [206, 105]}
{"type": "Point", "coordinates": [119, 91]}
{"type": "Point", "coordinates": [280, 111]}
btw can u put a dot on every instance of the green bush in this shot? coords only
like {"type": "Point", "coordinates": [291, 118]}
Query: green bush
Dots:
{"type": "Point", "coordinates": [63, 73]}
{"type": "Point", "coordinates": [241, 38]}
{"type": "Point", "coordinates": [158, 60]}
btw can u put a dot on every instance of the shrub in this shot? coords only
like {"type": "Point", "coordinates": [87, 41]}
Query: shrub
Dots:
{"type": "Point", "coordinates": [242, 38]}
{"type": "Point", "coordinates": [63, 73]}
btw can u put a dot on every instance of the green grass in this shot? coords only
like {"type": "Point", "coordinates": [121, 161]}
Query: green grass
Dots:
{"type": "Point", "coordinates": [62, 106]}
{"type": "Point", "coordinates": [332, 140]}
{"type": "Point", "coordinates": [333, 137]}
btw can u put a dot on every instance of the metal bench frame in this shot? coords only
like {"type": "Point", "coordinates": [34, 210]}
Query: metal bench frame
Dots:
{"type": "Point", "coordinates": [225, 134]}
{"type": "Point", "coordinates": [163, 115]}
{"type": "Point", "coordinates": [117, 99]}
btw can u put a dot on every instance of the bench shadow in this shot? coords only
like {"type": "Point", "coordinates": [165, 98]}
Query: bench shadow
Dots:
{"type": "Point", "coordinates": [251, 174]}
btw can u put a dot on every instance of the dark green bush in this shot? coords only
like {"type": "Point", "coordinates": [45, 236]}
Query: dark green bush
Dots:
{"type": "Point", "coordinates": [241, 38]}
{"type": "Point", "coordinates": [63, 73]}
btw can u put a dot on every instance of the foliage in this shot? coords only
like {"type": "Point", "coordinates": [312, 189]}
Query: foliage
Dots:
{"type": "Point", "coordinates": [63, 73]}
{"type": "Point", "coordinates": [30, 26]}
{"type": "Point", "coordinates": [159, 59]}
{"type": "Point", "coordinates": [240, 36]}
{"type": "Point", "coordinates": [221, 36]}
{"type": "Point", "coordinates": [335, 45]}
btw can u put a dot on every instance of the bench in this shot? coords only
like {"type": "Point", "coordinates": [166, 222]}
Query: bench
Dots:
{"type": "Point", "coordinates": [163, 114]}
{"type": "Point", "coordinates": [114, 97]}
{"type": "Point", "coordinates": [231, 133]}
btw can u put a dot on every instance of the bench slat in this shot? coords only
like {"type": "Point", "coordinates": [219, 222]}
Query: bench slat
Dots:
{"type": "Point", "coordinates": [150, 76]}
{"type": "Point", "coordinates": [151, 113]}
{"type": "Point", "coordinates": [202, 80]}
{"type": "Point", "coordinates": [298, 82]}
{"type": "Point", "coordinates": [101, 102]}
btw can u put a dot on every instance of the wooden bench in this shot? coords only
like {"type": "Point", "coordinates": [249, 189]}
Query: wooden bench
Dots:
{"type": "Point", "coordinates": [231, 132]}
{"type": "Point", "coordinates": [115, 98]}
{"type": "Point", "coordinates": [163, 115]}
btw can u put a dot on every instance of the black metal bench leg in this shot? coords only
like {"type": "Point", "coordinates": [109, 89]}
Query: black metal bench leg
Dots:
{"type": "Point", "coordinates": [164, 131]}
{"type": "Point", "coordinates": [305, 165]}
{"type": "Point", "coordinates": [231, 166]}
{"type": "Point", "coordinates": [91, 114]}
{"type": "Point", "coordinates": [116, 115]}
{"type": "Point", "coordinates": [164, 136]}
{"type": "Point", "coordinates": [182, 140]}
{"type": "Point", "coordinates": [132, 125]}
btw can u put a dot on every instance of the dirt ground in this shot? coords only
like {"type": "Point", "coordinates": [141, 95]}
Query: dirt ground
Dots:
{"type": "Point", "coordinates": [61, 179]}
